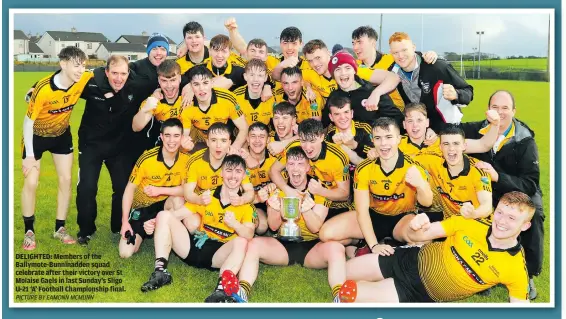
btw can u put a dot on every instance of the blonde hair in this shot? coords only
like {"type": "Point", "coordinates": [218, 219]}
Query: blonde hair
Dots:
{"type": "Point", "coordinates": [520, 200]}
{"type": "Point", "coordinates": [398, 37]}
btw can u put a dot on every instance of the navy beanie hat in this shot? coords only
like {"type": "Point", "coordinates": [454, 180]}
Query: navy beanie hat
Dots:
{"type": "Point", "coordinates": [157, 40]}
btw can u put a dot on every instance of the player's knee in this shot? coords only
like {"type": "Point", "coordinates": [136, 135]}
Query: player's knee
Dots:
{"type": "Point", "coordinates": [126, 252]}
{"type": "Point", "coordinates": [327, 233]}
{"type": "Point", "coordinates": [255, 245]}
{"type": "Point", "coordinates": [163, 217]}
{"type": "Point", "coordinates": [31, 184]}
{"type": "Point", "coordinates": [261, 227]}
{"type": "Point", "coordinates": [192, 222]}
{"type": "Point", "coordinates": [240, 243]}
{"type": "Point", "coordinates": [334, 250]}
{"type": "Point", "coordinates": [65, 181]}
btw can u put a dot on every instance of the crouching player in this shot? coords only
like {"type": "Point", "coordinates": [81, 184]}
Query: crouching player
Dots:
{"type": "Point", "coordinates": [221, 238]}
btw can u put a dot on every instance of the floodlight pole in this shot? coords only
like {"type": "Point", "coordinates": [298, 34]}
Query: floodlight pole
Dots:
{"type": "Point", "coordinates": [380, 26]}
{"type": "Point", "coordinates": [479, 52]}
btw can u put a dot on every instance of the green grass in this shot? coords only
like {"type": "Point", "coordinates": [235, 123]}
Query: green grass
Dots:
{"type": "Point", "coordinates": [193, 285]}
{"type": "Point", "coordinates": [526, 64]}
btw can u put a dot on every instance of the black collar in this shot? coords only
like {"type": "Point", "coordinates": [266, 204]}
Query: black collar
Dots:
{"type": "Point", "coordinates": [378, 57]}
{"type": "Point", "coordinates": [206, 158]}
{"type": "Point", "coordinates": [216, 194]}
{"type": "Point", "coordinates": [162, 160]}
{"type": "Point", "coordinates": [323, 150]}
{"type": "Point", "coordinates": [213, 100]}
{"type": "Point", "coordinates": [512, 250]}
{"type": "Point", "coordinates": [464, 171]}
{"type": "Point", "coordinates": [55, 87]}
{"type": "Point", "coordinates": [420, 147]}
{"type": "Point", "coordinates": [300, 190]}
{"type": "Point", "coordinates": [399, 164]}
{"type": "Point", "coordinates": [286, 98]}
{"type": "Point", "coordinates": [206, 55]}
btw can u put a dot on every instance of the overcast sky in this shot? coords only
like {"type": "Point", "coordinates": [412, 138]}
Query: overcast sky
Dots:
{"type": "Point", "coordinates": [505, 34]}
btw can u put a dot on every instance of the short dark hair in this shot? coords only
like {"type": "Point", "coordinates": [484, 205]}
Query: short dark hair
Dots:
{"type": "Point", "coordinates": [220, 42]}
{"type": "Point", "coordinates": [72, 53]}
{"type": "Point", "coordinates": [338, 101]}
{"type": "Point", "coordinates": [420, 107]}
{"type": "Point", "coordinates": [291, 34]}
{"type": "Point", "coordinates": [313, 45]}
{"type": "Point", "coordinates": [168, 69]}
{"type": "Point", "coordinates": [452, 129]}
{"type": "Point", "coordinates": [292, 71]}
{"type": "Point", "coordinates": [199, 70]}
{"type": "Point", "coordinates": [258, 126]}
{"type": "Point", "coordinates": [192, 28]}
{"type": "Point", "coordinates": [172, 122]}
{"type": "Point", "coordinates": [285, 108]}
{"type": "Point", "coordinates": [296, 152]}
{"type": "Point", "coordinates": [384, 123]}
{"type": "Point", "coordinates": [364, 30]}
{"type": "Point", "coordinates": [258, 43]}
{"type": "Point", "coordinates": [310, 129]}
{"type": "Point", "coordinates": [255, 63]}
{"type": "Point", "coordinates": [219, 127]}
{"type": "Point", "coordinates": [504, 91]}
{"type": "Point", "coordinates": [233, 161]}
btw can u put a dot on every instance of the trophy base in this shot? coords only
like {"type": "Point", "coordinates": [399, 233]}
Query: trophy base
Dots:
{"type": "Point", "coordinates": [292, 239]}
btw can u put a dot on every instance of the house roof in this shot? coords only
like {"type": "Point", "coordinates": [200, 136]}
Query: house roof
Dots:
{"type": "Point", "coordinates": [34, 48]}
{"type": "Point", "coordinates": [78, 36]}
{"type": "Point", "coordinates": [124, 47]}
{"type": "Point", "coordinates": [34, 38]}
{"type": "Point", "coordinates": [20, 35]}
{"type": "Point", "coordinates": [141, 39]}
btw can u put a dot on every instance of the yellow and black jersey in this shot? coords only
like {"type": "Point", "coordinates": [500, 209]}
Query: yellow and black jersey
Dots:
{"type": "Point", "coordinates": [50, 107]}
{"type": "Point", "coordinates": [409, 148]}
{"type": "Point", "coordinates": [389, 193]}
{"type": "Point", "coordinates": [362, 135]}
{"type": "Point", "coordinates": [382, 62]}
{"type": "Point", "coordinates": [186, 63]}
{"type": "Point", "coordinates": [223, 106]}
{"type": "Point", "coordinates": [451, 192]}
{"type": "Point", "coordinates": [259, 176]}
{"type": "Point", "coordinates": [151, 170]}
{"type": "Point", "coordinates": [465, 263]}
{"type": "Point", "coordinates": [305, 108]}
{"type": "Point", "coordinates": [200, 171]}
{"type": "Point", "coordinates": [212, 217]}
{"type": "Point", "coordinates": [305, 232]}
{"type": "Point", "coordinates": [320, 83]}
{"type": "Point", "coordinates": [231, 70]}
{"type": "Point", "coordinates": [273, 137]}
{"type": "Point", "coordinates": [254, 109]}
{"type": "Point", "coordinates": [165, 110]}
{"type": "Point", "coordinates": [272, 61]}
{"type": "Point", "coordinates": [331, 167]}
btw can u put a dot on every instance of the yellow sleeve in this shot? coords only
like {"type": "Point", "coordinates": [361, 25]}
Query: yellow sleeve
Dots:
{"type": "Point", "coordinates": [422, 170]}
{"type": "Point", "coordinates": [482, 181]}
{"type": "Point", "coordinates": [518, 283]}
{"type": "Point", "coordinates": [364, 73]}
{"type": "Point", "coordinates": [138, 173]}
{"type": "Point", "coordinates": [316, 107]}
{"type": "Point", "coordinates": [192, 175]}
{"type": "Point", "coordinates": [453, 224]}
{"type": "Point", "coordinates": [322, 201]}
{"type": "Point", "coordinates": [235, 111]}
{"type": "Point", "coordinates": [361, 177]}
{"type": "Point", "coordinates": [248, 212]}
{"type": "Point", "coordinates": [186, 118]}
{"type": "Point", "coordinates": [36, 104]}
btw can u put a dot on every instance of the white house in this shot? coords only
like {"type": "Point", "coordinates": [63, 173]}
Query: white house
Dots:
{"type": "Point", "coordinates": [133, 51]}
{"type": "Point", "coordinates": [52, 42]}
{"type": "Point", "coordinates": [143, 38]}
{"type": "Point", "coordinates": [35, 51]}
{"type": "Point", "coordinates": [21, 42]}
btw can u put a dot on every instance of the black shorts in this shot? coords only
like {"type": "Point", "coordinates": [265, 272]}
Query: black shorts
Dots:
{"type": "Point", "coordinates": [332, 212]}
{"type": "Point", "coordinates": [145, 213]}
{"type": "Point", "coordinates": [403, 267]}
{"type": "Point", "coordinates": [62, 144]}
{"type": "Point", "coordinates": [261, 206]}
{"type": "Point", "coordinates": [202, 257]}
{"type": "Point", "coordinates": [297, 251]}
{"type": "Point", "coordinates": [383, 225]}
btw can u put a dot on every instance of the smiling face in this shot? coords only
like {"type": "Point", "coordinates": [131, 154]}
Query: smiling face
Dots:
{"type": "Point", "coordinates": [255, 52]}
{"type": "Point", "coordinates": [311, 146]}
{"type": "Point", "coordinates": [290, 48]}
{"type": "Point", "coordinates": [157, 55]}
{"type": "Point", "coordinates": [509, 221]}
{"type": "Point", "coordinates": [117, 74]}
{"type": "Point", "coordinates": [255, 78]}
{"type": "Point", "coordinates": [363, 47]}
{"type": "Point", "coordinates": [219, 56]}
{"type": "Point", "coordinates": [415, 124]}
{"type": "Point", "coordinates": [257, 140]}
{"type": "Point", "coordinates": [452, 147]}
{"type": "Point", "coordinates": [171, 137]}
{"type": "Point", "coordinates": [344, 76]}
{"type": "Point", "coordinates": [232, 176]}
{"type": "Point", "coordinates": [194, 42]}
{"type": "Point", "coordinates": [318, 60]}
{"type": "Point", "coordinates": [502, 103]}
{"type": "Point", "coordinates": [342, 117]}
{"type": "Point", "coordinates": [386, 141]}
{"type": "Point", "coordinates": [73, 69]}
{"type": "Point", "coordinates": [292, 86]}
{"type": "Point", "coordinates": [218, 143]}
{"type": "Point", "coordinates": [283, 124]}
{"type": "Point", "coordinates": [403, 52]}
{"type": "Point", "coordinates": [170, 85]}
{"type": "Point", "coordinates": [297, 168]}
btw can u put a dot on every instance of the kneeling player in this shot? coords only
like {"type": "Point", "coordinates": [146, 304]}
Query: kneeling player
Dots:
{"type": "Point", "coordinates": [310, 252]}
{"type": "Point", "coordinates": [221, 239]}
{"type": "Point", "coordinates": [155, 184]}
{"type": "Point", "coordinates": [477, 254]}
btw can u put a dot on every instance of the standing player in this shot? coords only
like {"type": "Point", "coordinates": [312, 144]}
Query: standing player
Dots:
{"type": "Point", "coordinates": [249, 96]}
{"type": "Point", "coordinates": [155, 185]}
{"type": "Point", "coordinates": [211, 105]}
{"type": "Point", "coordinates": [228, 74]}
{"type": "Point", "coordinates": [309, 252]}
{"type": "Point", "coordinates": [222, 236]}
{"type": "Point", "coordinates": [386, 193]}
{"type": "Point", "coordinates": [476, 254]}
{"type": "Point", "coordinates": [46, 129]}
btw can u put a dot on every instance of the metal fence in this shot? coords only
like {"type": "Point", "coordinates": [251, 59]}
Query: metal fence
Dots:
{"type": "Point", "coordinates": [35, 68]}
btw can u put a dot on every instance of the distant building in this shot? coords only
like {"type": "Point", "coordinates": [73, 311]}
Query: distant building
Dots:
{"type": "Point", "coordinates": [143, 38]}
{"type": "Point", "coordinates": [21, 42]}
{"type": "Point", "coordinates": [133, 51]}
{"type": "Point", "coordinates": [51, 42]}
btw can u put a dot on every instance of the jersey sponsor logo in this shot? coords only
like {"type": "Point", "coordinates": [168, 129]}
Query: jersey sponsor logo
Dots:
{"type": "Point", "coordinates": [65, 109]}
{"type": "Point", "coordinates": [219, 232]}
{"type": "Point", "coordinates": [385, 198]}
{"type": "Point", "coordinates": [494, 270]}
{"type": "Point", "coordinates": [208, 213]}
{"type": "Point", "coordinates": [471, 273]}
{"type": "Point", "coordinates": [155, 177]}
{"type": "Point", "coordinates": [447, 196]}
{"type": "Point", "coordinates": [203, 178]}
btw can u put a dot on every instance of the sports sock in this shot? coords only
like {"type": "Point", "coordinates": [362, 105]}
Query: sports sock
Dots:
{"type": "Point", "coordinates": [245, 290]}
{"type": "Point", "coordinates": [160, 264]}
{"type": "Point", "coordinates": [219, 286]}
{"type": "Point", "coordinates": [59, 223]}
{"type": "Point", "coordinates": [335, 292]}
{"type": "Point", "coordinates": [28, 223]}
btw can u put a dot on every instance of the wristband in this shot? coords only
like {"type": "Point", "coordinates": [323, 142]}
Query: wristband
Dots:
{"type": "Point", "coordinates": [373, 246]}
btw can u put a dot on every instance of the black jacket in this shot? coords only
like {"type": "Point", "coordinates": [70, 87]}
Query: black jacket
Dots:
{"type": "Point", "coordinates": [107, 122]}
{"type": "Point", "coordinates": [429, 75]}
{"type": "Point", "coordinates": [357, 96]}
{"type": "Point", "coordinates": [517, 162]}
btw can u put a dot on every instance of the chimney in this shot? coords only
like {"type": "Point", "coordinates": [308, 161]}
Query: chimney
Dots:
{"type": "Point", "coordinates": [144, 33]}
{"type": "Point", "coordinates": [73, 29]}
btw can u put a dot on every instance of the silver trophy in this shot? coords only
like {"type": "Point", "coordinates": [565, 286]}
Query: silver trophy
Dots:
{"type": "Point", "coordinates": [289, 230]}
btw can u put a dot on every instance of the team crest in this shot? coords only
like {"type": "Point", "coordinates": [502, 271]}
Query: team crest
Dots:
{"type": "Point", "coordinates": [484, 180]}
{"type": "Point", "coordinates": [247, 172]}
{"type": "Point", "coordinates": [130, 97]}
{"type": "Point", "coordinates": [346, 169]}
{"type": "Point", "coordinates": [364, 102]}
{"type": "Point", "coordinates": [425, 87]}
{"type": "Point", "coordinates": [314, 106]}
{"type": "Point", "coordinates": [334, 60]}
{"type": "Point", "coordinates": [237, 107]}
